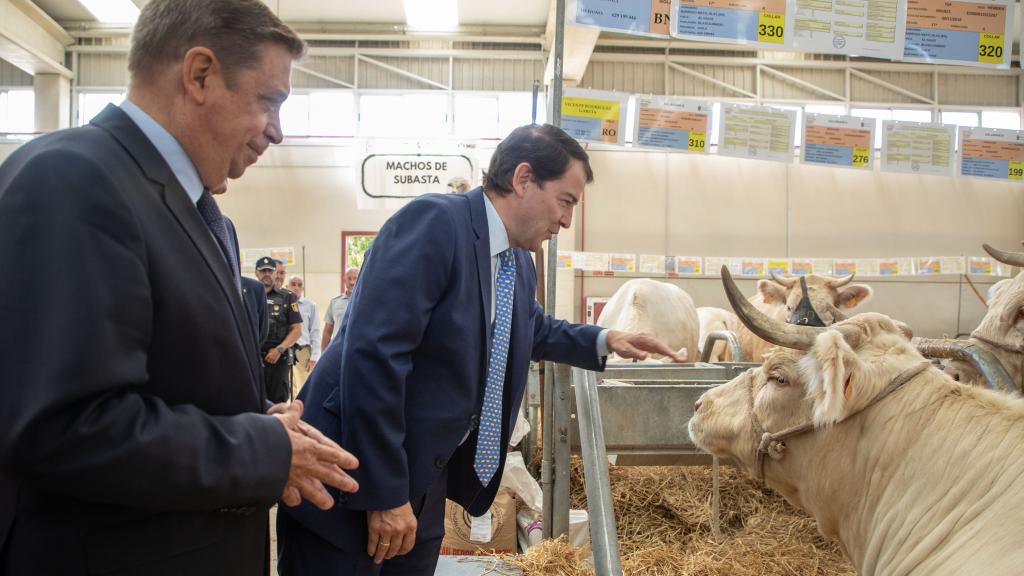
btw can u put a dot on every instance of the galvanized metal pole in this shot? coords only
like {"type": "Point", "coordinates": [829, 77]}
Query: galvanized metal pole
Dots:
{"type": "Point", "coordinates": [603, 539]}
{"type": "Point", "coordinates": [555, 466]}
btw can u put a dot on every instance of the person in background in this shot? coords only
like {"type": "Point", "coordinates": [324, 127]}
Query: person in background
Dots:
{"type": "Point", "coordinates": [285, 329]}
{"type": "Point", "coordinates": [135, 439]}
{"type": "Point", "coordinates": [307, 347]}
{"type": "Point", "coordinates": [335, 313]}
{"type": "Point", "coordinates": [279, 273]}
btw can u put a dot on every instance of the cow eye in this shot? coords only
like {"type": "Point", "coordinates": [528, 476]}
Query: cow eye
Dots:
{"type": "Point", "coordinates": [778, 379]}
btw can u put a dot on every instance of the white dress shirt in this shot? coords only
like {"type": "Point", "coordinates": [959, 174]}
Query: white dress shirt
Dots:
{"type": "Point", "coordinates": [310, 335]}
{"type": "Point", "coordinates": [498, 236]}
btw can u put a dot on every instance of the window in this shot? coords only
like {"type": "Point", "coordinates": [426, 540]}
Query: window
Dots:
{"type": "Point", "coordinates": [968, 119]}
{"type": "Point", "coordinates": [1007, 119]}
{"type": "Point", "coordinates": [912, 115]}
{"type": "Point", "coordinates": [404, 115]}
{"type": "Point", "coordinates": [324, 114]}
{"type": "Point", "coordinates": [332, 114]}
{"type": "Point", "coordinates": [831, 109]}
{"type": "Point", "coordinates": [515, 109]}
{"type": "Point", "coordinates": [92, 103]}
{"type": "Point", "coordinates": [295, 115]}
{"type": "Point", "coordinates": [17, 111]}
{"type": "Point", "coordinates": [354, 246]}
{"type": "Point", "coordinates": [630, 119]}
{"type": "Point", "coordinates": [716, 115]}
{"type": "Point", "coordinates": [476, 116]}
{"type": "Point", "coordinates": [878, 114]}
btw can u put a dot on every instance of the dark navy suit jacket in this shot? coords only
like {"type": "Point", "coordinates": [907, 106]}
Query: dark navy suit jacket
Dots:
{"type": "Point", "coordinates": [130, 441]}
{"type": "Point", "coordinates": [403, 382]}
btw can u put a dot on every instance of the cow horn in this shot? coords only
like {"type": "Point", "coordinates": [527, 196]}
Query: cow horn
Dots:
{"type": "Point", "coordinates": [774, 331]}
{"type": "Point", "coordinates": [840, 282]}
{"type": "Point", "coordinates": [783, 281]}
{"type": "Point", "coordinates": [1011, 258]}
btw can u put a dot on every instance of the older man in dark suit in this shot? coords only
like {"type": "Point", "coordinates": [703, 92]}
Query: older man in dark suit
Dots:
{"type": "Point", "coordinates": [425, 378]}
{"type": "Point", "coordinates": [135, 439]}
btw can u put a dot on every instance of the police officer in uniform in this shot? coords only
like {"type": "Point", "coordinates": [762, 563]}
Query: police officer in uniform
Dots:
{"type": "Point", "coordinates": [285, 329]}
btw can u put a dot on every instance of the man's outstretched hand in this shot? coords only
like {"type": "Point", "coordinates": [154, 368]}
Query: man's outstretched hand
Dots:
{"type": "Point", "coordinates": [639, 346]}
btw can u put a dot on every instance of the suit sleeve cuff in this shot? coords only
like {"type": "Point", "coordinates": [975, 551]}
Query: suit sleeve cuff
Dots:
{"type": "Point", "coordinates": [602, 344]}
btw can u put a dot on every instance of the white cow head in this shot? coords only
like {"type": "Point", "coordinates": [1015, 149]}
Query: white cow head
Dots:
{"type": "Point", "coordinates": [827, 295]}
{"type": "Point", "coordinates": [821, 376]}
{"type": "Point", "coordinates": [1002, 328]}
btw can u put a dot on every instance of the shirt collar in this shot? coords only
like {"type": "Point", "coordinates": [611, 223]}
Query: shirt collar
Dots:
{"type": "Point", "coordinates": [169, 148]}
{"type": "Point", "coordinates": [496, 229]}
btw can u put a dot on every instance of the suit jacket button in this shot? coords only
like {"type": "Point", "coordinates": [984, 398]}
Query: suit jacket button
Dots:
{"type": "Point", "coordinates": [439, 462]}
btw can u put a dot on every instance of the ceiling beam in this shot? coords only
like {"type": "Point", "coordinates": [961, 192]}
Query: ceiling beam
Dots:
{"type": "Point", "coordinates": [579, 45]}
{"type": "Point", "coordinates": [30, 40]}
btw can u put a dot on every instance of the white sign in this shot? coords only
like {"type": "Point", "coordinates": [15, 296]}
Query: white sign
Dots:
{"type": "Point", "coordinates": [757, 132]}
{"type": "Point", "coordinates": [411, 175]}
{"type": "Point", "coordinates": [918, 148]}
{"type": "Point", "coordinates": [853, 27]}
{"type": "Point", "coordinates": [251, 255]}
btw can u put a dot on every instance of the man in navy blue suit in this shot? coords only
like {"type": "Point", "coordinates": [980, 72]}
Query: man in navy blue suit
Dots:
{"type": "Point", "coordinates": [432, 359]}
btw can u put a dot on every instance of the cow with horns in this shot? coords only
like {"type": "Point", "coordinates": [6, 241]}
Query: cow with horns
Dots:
{"type": "Point", "coordinates": [994, 354]}
{"type": "Point", "coordinates": [810, 300]}
{"type": "Point", "coordinates": [912, 472]}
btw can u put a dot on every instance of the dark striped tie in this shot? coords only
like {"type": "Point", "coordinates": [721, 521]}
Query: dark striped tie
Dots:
{"type": "Point", "coordinates": [215, 222]}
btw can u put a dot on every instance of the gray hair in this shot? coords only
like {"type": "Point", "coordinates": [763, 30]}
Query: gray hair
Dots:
{"type": "Point", "coordinates": [232, 29]}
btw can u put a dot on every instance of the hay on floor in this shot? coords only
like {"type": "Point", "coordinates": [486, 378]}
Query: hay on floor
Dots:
{"type": "Point", "coordinates": [663, 516]}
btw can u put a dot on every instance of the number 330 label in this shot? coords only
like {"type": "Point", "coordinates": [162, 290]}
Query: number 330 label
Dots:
{"type": "Point", "coordinates": [771, 27]}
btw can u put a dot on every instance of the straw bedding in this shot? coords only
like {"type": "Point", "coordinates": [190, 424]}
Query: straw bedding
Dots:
{"type": "Point", "coordinates": [663, 516]}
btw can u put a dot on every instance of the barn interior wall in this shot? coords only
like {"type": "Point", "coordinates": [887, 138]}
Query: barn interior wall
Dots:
{"type": "Point", "coordinates": [658, 203]}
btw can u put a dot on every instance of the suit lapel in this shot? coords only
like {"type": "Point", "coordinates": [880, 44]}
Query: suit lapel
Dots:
{"type": "Point", "coordinates": [482, 249]}
{"type": "Point", "coordinates": [115, 121]}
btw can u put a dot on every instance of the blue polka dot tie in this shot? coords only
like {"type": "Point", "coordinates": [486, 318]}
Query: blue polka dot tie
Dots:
{"type": "Point", "coordinates": [214, 220]}
{"type": "Point", "coordinates": [488, 445]}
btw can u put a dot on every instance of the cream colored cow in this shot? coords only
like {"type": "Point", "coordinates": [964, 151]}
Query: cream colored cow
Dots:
{"type": "Point", "coordinates": [1000, 333]}
{"type": "Point", "coordinates": [914, 474]}
{"type": "Point", "coordinates": [779, 296]}
{"type": "Point", "coordinates": [660, 309]}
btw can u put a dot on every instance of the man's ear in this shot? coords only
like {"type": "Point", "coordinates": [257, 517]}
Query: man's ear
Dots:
{"type": "Point", "coordinates": [521, 178]}
{"type": "Point", "coordinates": [831, 368]}
{"type": "Point", "coordinates": [771, 291]}
{"type": "Point", "coordinates": [198, 66]}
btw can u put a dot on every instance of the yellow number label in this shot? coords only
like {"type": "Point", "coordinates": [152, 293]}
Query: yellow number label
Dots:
{"type": "Point", "coordinates": [990, 48]}
{"type": "Point", "coordinates": [696, 142]}
{"type": "Point", "coordinates": [771, 27]}
{"type": "Point", "coordinates": [1015, 170]}
{"type": "Point", "coordinates": [861, 157]}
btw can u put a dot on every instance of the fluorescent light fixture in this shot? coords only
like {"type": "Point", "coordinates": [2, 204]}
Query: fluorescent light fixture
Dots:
{"type": "Point", "coordinates": [435, 15]}
{"type": "Point", "coordinates": [112, 11]}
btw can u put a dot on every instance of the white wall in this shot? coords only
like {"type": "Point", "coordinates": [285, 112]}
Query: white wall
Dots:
{"type": "Point", "coordinates": [650, 202]}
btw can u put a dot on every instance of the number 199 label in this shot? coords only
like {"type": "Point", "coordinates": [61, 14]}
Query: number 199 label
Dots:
{"type": "Point", "coordinates": [771, 27]}
{"type": "Point", "coordinates": [1015, 170]}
